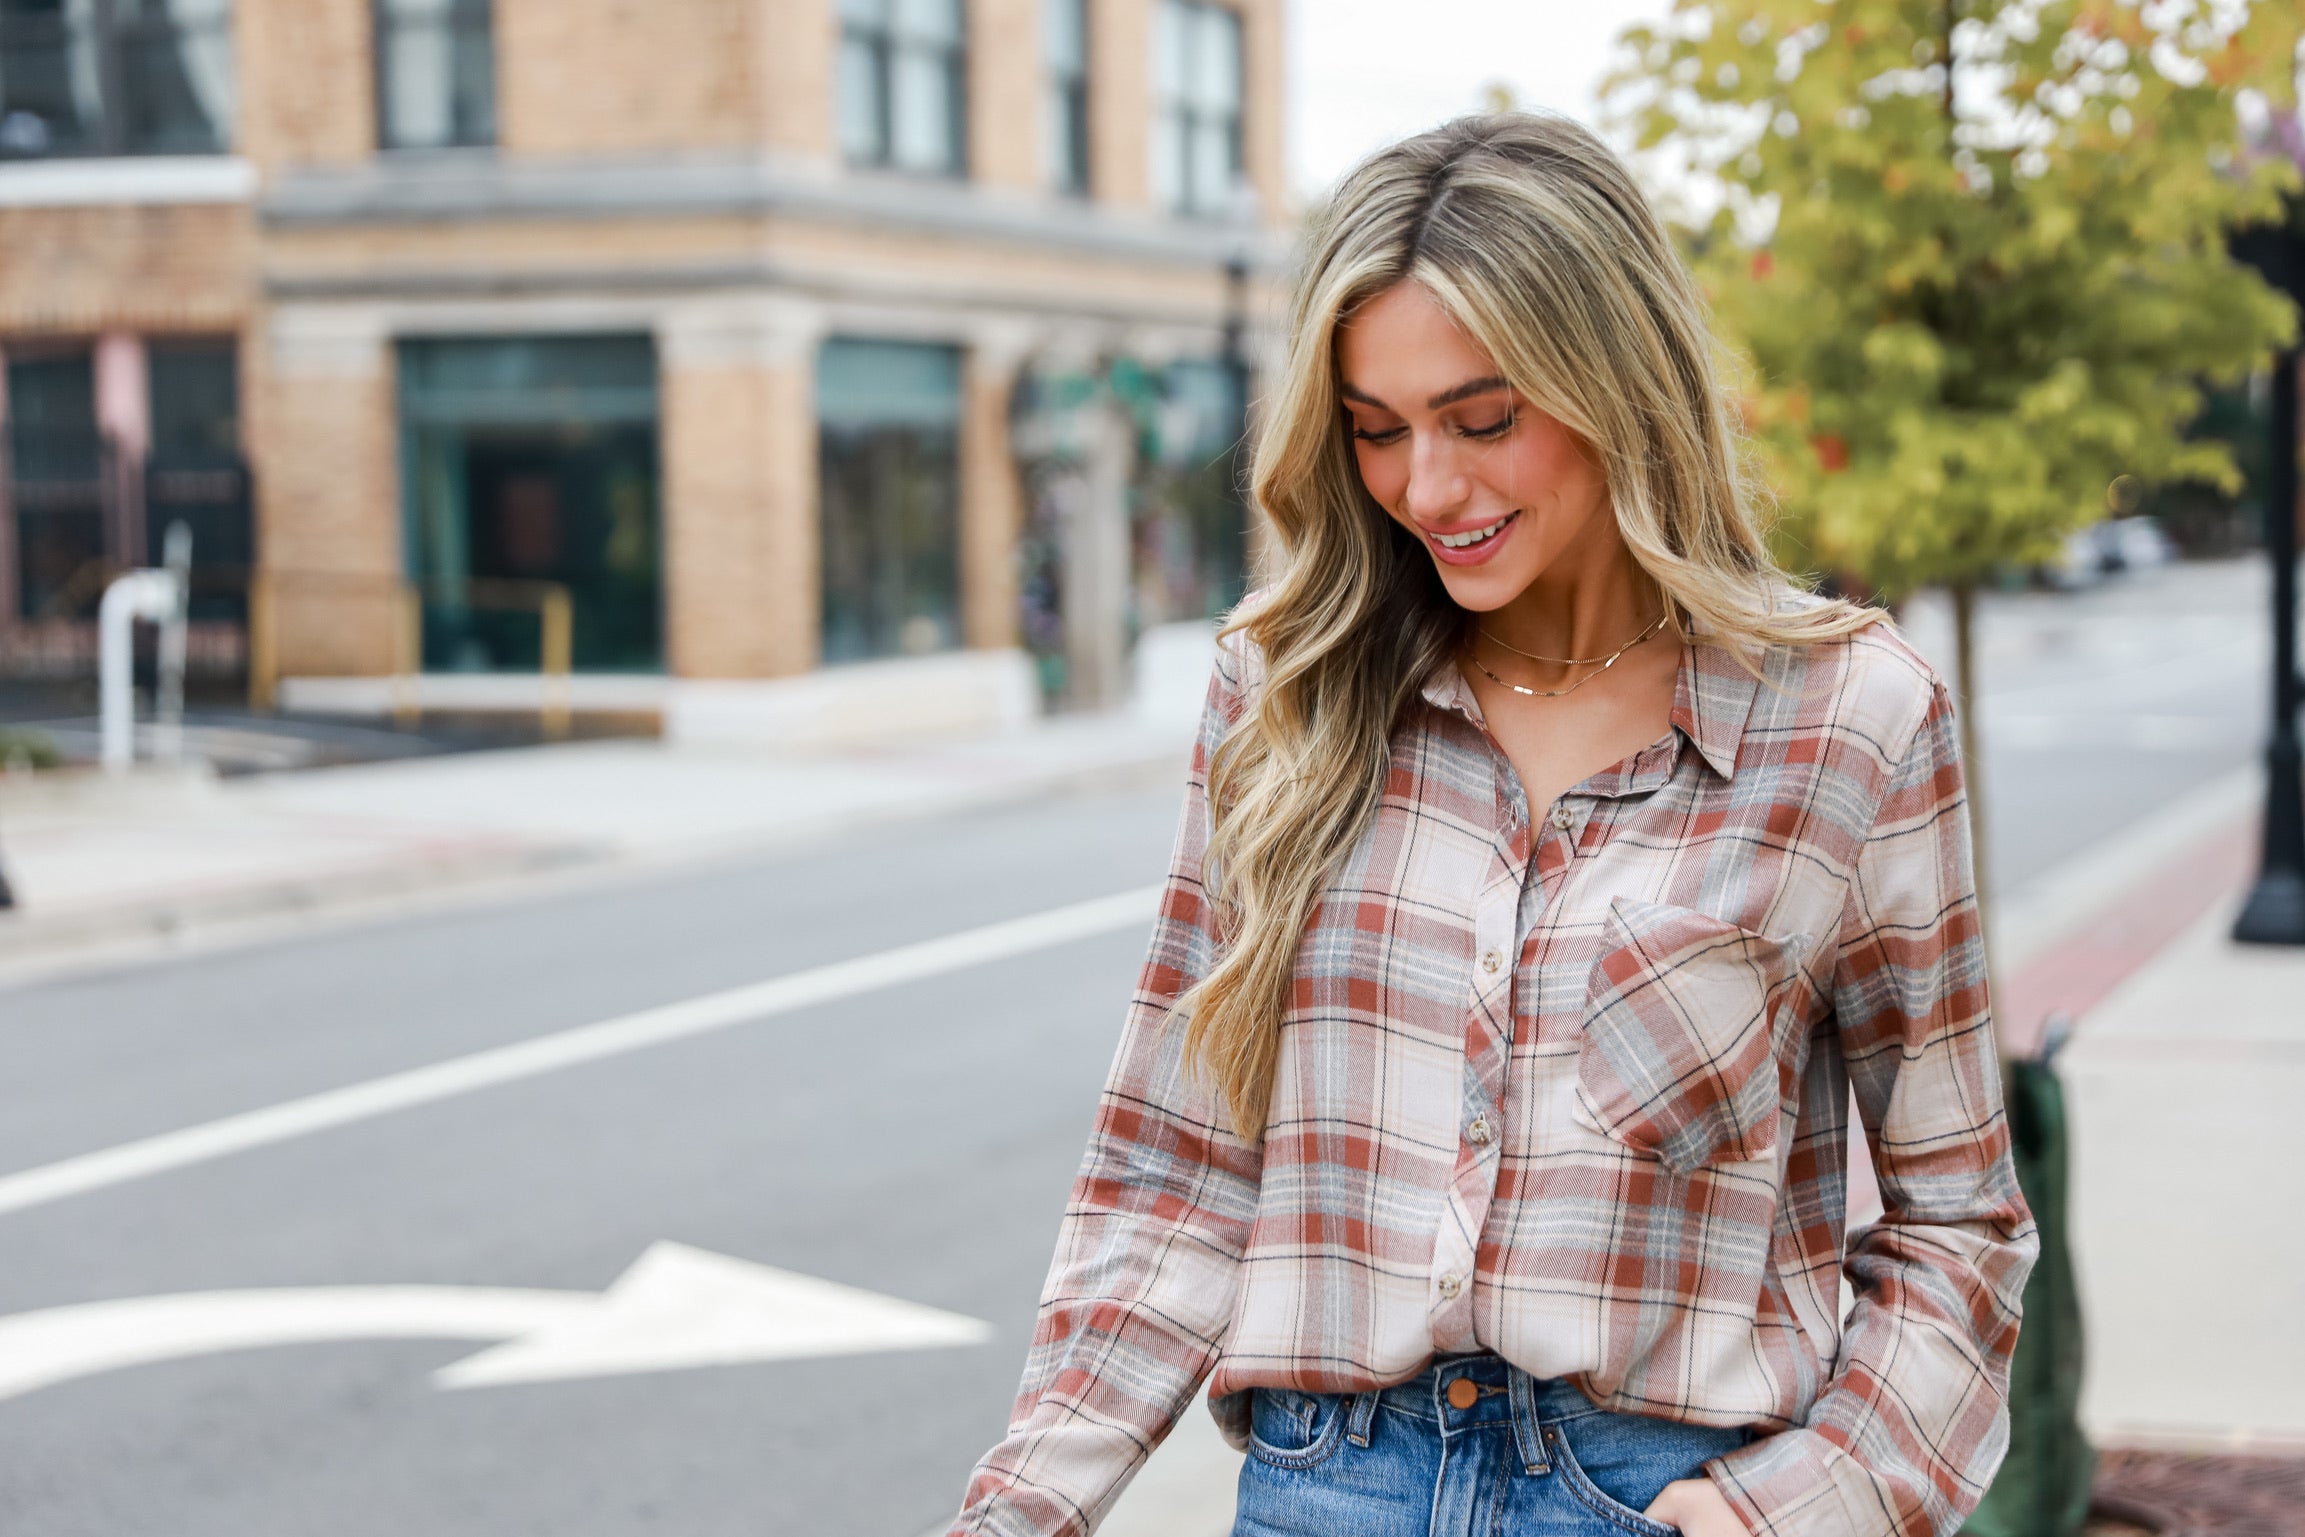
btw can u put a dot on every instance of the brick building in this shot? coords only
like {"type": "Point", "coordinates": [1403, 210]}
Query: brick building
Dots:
{"type": "Point", "coordinates": [707, 314]}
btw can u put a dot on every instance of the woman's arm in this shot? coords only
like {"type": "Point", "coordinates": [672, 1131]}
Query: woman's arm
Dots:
{"type": "Point", "coordinates": [1908, 1433]}
{"type": "Point", "coordinates": [1141, 1290]}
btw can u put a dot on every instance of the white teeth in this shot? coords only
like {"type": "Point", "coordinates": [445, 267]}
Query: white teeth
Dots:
{"type": "Point", "coordinates": [1474, 536]}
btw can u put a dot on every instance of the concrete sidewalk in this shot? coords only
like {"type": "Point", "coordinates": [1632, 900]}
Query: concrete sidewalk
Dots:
{"type": "Point", "coordinates": [99, 863]}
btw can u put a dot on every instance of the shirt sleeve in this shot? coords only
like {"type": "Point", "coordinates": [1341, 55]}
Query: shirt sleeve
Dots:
{"type": "Point", "coordinates": [1910, 1429]}
{"type": "Point", "coordinates": [1140, 1293]}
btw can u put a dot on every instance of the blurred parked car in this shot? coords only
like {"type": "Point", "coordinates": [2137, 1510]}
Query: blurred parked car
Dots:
{"type": "Point", "coordinates": [2103, 549]}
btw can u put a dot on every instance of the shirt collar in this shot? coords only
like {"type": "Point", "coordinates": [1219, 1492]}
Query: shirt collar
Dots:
{"type": "Point", "coordinates": [1712, 696]}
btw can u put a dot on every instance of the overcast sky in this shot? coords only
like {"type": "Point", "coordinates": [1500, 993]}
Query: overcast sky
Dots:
{"type": "Point", "coordinates": [1365, 72]}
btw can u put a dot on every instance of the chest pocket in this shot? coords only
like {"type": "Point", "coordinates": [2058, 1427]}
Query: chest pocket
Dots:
{"type": "Point", "coordinates": [1680, 1046]}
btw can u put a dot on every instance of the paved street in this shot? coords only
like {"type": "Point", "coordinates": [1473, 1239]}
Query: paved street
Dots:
{"type": "Point", "coordinates": [911, 1140]}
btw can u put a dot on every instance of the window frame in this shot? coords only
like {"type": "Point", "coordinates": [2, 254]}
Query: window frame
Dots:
{"type": "Point", "coordinates": [886, 44]}
{"type": "Point", "coordinates": [457, 22]}
{"type": "Point", "coordinates": [114, 28]}
{"type": "Point", "coordinates": [1179, 114]}
{"type": "Point", "coordinates": [1070, 135]}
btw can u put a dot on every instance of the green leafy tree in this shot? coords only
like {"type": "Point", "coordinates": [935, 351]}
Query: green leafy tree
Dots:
{"type": "Point", "coordinates": [1976, 253]}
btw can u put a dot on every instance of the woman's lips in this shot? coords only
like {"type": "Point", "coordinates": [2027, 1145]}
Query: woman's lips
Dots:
{"type": "Point", "coordinates": [1478, 552]}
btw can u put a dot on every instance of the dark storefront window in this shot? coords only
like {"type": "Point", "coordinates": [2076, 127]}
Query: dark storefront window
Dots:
{"type": "Point", "coordinates": [890, 420]}
{"type": "Point", "coordinates": [902, 92]}
{"type": "Point", "coordinates": [435, 74]}
{"type": "Point", "coordinates": [527, 462]}
{"type": "Point", "coordinates": [56, 482]}
{"type": "Point", "coordinates": [1066, 23]}
{"type": "Point", "coordinates": [115, 77]}
{"type": "Point", "coordinates": [1191, 530]}
{"type": "Point", "coordinates": [195, 474]}
{"type": "Point", "coordinates": [1197, 159]}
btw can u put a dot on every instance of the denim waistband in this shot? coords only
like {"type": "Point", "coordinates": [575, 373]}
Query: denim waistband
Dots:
{"type": "Point", "coordinates": [1503, 1387]}
{"type": "Point", "coordinates": [1507, 1397]}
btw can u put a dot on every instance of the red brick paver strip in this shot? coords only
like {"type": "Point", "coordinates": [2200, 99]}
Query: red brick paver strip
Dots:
{"type": "Point", "coordinates": [2179, 1494]}
{"type": "Point", "coordinates": [2074, 975]}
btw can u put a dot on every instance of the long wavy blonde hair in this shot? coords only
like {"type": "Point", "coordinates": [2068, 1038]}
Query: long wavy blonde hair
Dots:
{"type": "Point", "coordinates": [1534, 238]}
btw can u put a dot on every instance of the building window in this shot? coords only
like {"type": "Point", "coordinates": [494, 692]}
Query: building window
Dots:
{"type": "Point", "coordinates": [435, 74]}
{"type": "Point", "coordinates": [529, 473]}
{"type": "Point", "coordinates": [1066, 31]}
{"type": "Point", "coordinates": [889, 417]}
{"type": "Point", "coordinates": [194, 474]}
{"type": "Point", "coordinates": [901, 90]}
{"type": "Point", "coordinates": [56, 480]}
{"type": "Point", "coordinates": [115, 77]}
{"type": "Point", "coordinates": [1197, 134]}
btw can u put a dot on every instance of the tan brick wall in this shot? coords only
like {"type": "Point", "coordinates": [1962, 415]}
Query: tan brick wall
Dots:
{"type": "Point", "coordinates": [1005, 94]}
{"type": "Point", "coordinates": [740, 534]}
{"type": "Point", "coordinates": [1120, 101]}
{"type": "Point", "coordinates": [991, 507]}
{"type": "Point", "coordinates": [188, 267]}
{"type": "Point", "coordinates": [307, 81]}
{"type": "Point", "coordinates": [826, 255]}
{"type": "Point", "coordinates": [628, 76]}
{"type": "Point", "coordinates": [492, 247]}
{"type": "Point", "coordinates": [323, 438]}
{"type": "Point", "coordinates": [1037, 279]}
{"type": "Point", "coordinates": [799, 46]}
{"type": "Point", "coordinates": [1264, 100]}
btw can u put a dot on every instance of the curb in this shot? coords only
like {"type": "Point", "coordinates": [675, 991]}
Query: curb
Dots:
{"type": "Point", "coordinates": [35, 944]}
{"type": "Point", "coordinates": [35, 935]}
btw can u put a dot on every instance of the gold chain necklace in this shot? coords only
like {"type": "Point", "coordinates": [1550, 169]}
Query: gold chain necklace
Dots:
{"type": "Point", "coordinates": [1573, 661]}
{"type": "Point", "coordinates": [1605, 662]}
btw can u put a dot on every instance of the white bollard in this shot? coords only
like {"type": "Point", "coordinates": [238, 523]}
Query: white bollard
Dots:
{"type": "Point", "coordinates": [137, 595]}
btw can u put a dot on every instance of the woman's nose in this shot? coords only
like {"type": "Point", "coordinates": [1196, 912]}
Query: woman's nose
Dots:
{"type": "Point", "coordinates": [1437, 483]}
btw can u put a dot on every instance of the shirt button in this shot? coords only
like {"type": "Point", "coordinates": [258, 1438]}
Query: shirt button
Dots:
{"type": "Point", "coordinates": [1478, 1133]}
{"type": "Point", "coordinates": [1564, 818]}
{"type": "Point", "coordinates": [1451, 1285]}
{"type": "Point", "coordinates": [1491, 960]}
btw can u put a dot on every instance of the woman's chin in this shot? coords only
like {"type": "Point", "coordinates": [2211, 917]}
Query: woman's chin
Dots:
{"type": "Point", "coordinates": [1481, 589]}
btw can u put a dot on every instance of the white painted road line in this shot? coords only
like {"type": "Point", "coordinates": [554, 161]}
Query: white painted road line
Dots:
{"type": "Point", "coordinates": [573, 1047]}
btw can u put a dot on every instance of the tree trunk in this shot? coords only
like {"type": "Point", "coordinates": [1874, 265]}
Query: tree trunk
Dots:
{"type": "Point", "coordinates": [1967, 697]}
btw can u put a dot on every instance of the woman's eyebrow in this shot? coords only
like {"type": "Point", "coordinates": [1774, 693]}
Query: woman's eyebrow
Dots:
{"type": "Point", "coordinates": [1448, 397]}
{"type": "Point", "coordinates": [1466, 391]}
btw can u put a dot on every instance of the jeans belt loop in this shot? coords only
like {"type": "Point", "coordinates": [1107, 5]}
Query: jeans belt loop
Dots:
{"type": "Point", "coordinates": [1364, 1414]}
{"type": "Point", "coordinates": [1528, 1433]}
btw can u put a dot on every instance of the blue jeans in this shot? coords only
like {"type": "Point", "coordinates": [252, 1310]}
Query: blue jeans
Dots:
{"type": "Point", "coordinates": [1529, 1457]}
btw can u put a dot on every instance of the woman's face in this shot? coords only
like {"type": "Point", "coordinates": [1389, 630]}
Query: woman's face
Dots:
{"type": "Point", "coordinates": [1495, 489]}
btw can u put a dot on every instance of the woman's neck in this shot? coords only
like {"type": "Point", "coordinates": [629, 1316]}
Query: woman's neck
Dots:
{"type": "Point", "coordinates": [1589, 602]}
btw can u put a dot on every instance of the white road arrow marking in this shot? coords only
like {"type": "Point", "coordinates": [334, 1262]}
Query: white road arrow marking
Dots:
{"type": "Point", "coordinates": [676, 1307]}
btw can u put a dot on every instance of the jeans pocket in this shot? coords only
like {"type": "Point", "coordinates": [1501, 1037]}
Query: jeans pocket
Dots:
{"type": "Point", "coordinates": [1634, 1455]}
{"type": "Point", "coordinates": [1288, 1429]}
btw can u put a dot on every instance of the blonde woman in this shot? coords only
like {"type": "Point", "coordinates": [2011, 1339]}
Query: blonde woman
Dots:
{"type": "Point", "coordinates": [1551, 871]}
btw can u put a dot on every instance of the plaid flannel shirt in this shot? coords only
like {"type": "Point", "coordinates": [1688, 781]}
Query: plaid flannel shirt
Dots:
{"type": "Point", "coordinates": [1574, 1088]}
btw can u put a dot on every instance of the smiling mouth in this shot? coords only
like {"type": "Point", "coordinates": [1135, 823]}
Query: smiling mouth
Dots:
{"type": "Point", "coordinates": [1473, 536]}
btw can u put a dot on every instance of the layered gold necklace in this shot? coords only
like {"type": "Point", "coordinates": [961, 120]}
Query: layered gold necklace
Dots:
{"type": "Point", "coordinates": [1599, 664]}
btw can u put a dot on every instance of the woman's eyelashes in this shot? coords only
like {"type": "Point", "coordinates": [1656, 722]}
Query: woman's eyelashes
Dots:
{"type": "Point", "coordinates": [1380, 436]}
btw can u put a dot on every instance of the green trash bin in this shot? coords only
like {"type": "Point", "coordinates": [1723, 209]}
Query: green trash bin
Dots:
{"type": "Point", "coordinates": [2042, 1489]}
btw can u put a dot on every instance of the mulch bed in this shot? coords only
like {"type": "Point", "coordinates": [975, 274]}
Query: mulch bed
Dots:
{"type": "Point", "coordinates": [2183, 1495]}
